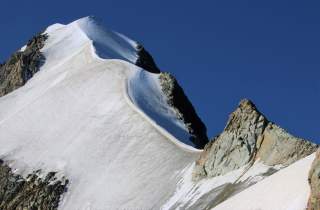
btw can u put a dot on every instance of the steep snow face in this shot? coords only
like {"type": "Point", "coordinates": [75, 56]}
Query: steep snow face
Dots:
{"type": "Point", "coordinates": [143, 87]}
{"type": "Point", "coordinates": [108, 44]}
{"type": "Point", "coordinates": [285, 190]}
{"type": "Point", "coordinates": [145, 91]}
{"type": "Point", "coordinates": [75, 117]}
{"type": "Point", "coordinates": [93, 116]}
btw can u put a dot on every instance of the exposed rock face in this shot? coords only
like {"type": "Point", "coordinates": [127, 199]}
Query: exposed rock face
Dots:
{"type": "Point", "coordinates": [176, 98]}
{"type": "Point", "coordinates": [279, 147]}
{"type": "Point", "coordinates": [22, 65]}
{"type": "Point", "coordinates": [314, 181]}
{"type": "Point", "coordinates": [184, 109]}
{"type": "Point", "coordinates": [32, 193]}
{"type": "Point", "coordinates": [249, 136]}
{"type": "Point", "coordinates": [146, 61]}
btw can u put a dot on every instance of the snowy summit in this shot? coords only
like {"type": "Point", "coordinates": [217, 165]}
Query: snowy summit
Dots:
{"type": "Point", "coordinates": [89, 121]}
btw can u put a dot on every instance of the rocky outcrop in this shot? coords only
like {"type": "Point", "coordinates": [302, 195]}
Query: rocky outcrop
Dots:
{"type": "Point", "coordinates": [249, 136]}
{"type": "Point", "coordinates": [32, 193]}
{"type": "Point", "coordinates": [176, 98]}
{"type": "Point", "coordinates": [184, 109]}
{"type": "Point", "coordinates": [145, 60]}
{"type": "Point", "coordinates": [279, 147]}
{"type": "Point", "coordinates": [314, 182]}
{"type": "Point", "coordinates": [22, 65]}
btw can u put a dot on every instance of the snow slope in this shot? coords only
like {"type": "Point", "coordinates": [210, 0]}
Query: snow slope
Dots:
{"type": "Point", "coordinates": [206, 192]}
{"type": "Point", "coordinates": [74, 117]}
{"type": "Point", "coordinates": [287, 189]}
{"type": "Point", "coordinates": [102, 122]}
{"type": "Point", "coordinates": [145, 92]}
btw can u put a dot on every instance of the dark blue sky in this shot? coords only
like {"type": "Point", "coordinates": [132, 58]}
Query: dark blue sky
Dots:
{"type": "Point", "coordinates": [220, 51]}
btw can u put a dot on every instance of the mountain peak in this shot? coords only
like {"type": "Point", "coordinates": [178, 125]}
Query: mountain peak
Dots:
{"type": "Point", "coordinates": [101, 111]}
{"type": "Point", "coordinates": [59, 42]}
{"type": "Point", "coordinates": [246, 113]}
{"type": "Point", "coordinates": [111, 44]}
{"type": "Point", "coordinates": [98, 113]}
{"type": "Point", "coordinates": [247, 104]}
{"type": "Point", "coordinates": [247, 137]}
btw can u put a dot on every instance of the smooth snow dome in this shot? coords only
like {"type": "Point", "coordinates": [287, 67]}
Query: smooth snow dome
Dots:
{"type": "Point", "coordinates": [75, 117]}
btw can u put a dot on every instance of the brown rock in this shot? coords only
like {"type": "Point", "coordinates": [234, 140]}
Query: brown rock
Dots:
{"type": "Point", "coordinates": [249, 136]}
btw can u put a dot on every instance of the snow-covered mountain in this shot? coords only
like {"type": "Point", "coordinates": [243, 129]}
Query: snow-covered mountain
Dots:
{"type": "Point", "coordinates": [88, 121]}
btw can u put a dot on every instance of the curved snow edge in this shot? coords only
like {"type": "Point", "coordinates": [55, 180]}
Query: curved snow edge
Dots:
{"type": "Point", "coordinates": [128, 100]}
{"type": "Point", "coordinates": [161, 130]}
{"type": "Point", "coordinates": [96, 55]}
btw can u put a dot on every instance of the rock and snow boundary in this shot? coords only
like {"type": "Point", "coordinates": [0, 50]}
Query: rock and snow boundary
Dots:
{"type": "Point", "coordinates": [100, 115]}
{"type": "Point", "coordinates": [73, 117]}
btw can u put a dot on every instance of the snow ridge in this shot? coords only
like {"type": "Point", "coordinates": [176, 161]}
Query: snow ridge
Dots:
{"type": "Point", "coordinates": [87, 132]}
{"type": "Point", "coordinates": [143, 87]}
{"type": "Point", "coordinates": [108, 44]}
{"type": "Point", "coordinates": [107, 125]}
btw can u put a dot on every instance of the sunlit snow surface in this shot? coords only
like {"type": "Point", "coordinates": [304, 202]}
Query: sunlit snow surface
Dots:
{"type": "Point", "coordinates": [73, 117]}
{"type": "Point", "coordinates": [102, 122]}
{"type": "Point", "coordinates": [145, 92]}
{"type": "Point", "coordinates": [188, 192]}
{"type": "Point", "coordinates": [286, 190]}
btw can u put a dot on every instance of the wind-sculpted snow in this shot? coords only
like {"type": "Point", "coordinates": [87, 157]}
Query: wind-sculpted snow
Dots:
{"type": "Point", "coordinates": [108, 44]}
{"type": "Point", "coordinates": [93, 115]}
{"type": "Point", "coordinates": [145, 91]}
{"type": "Point", "coordinates": [72, 117]}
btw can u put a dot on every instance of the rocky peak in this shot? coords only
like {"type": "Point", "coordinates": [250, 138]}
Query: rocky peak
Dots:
{"type": "Point", "coordinates": [246, 118]}
{"type": "Point", "coordinates": [249, 136]}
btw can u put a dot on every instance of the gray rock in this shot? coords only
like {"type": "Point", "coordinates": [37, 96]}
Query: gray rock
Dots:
{"type": "Point", "coordinates": [184, 109]}
{"type": "Point", "coordinates": [249, 136]}
{"type": "Point", "coordinates": [32, 193]}
{"type": "Point", "coordinates": [21, 66]}
{"type": "Point", "coordinates": [279, 147]}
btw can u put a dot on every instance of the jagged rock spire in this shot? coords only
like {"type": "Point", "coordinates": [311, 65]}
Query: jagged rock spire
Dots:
{"type": "Point", "coordinates": [249, 136]}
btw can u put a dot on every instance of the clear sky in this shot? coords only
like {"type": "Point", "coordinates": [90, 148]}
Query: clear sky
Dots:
{"type": "Point", "coordinates": [220, 51]}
